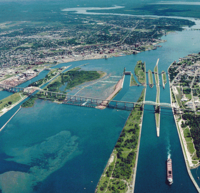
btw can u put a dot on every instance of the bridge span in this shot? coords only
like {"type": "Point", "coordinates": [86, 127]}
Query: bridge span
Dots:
{"type": "Point", "coordinates": [86, 101]}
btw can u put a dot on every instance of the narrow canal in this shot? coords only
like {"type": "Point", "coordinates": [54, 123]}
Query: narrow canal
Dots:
{"type": "Point", "coordinates": [154, 151]}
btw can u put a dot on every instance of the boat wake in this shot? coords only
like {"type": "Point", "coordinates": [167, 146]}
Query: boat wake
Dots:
{"type": "Point", "coordinates": [168, 149]}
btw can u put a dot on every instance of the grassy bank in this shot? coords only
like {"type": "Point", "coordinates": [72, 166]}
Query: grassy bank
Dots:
{"type": "Point", "coordinates": [150, 76]}
{"type": "Point", "coordinates": [10, 100]}
{"type": "Point", "coordinates": [118, 174]}
{"type": "Point", "coordinates": [133, 82]}
{"type": "Point", "coordinates": [140, 72]}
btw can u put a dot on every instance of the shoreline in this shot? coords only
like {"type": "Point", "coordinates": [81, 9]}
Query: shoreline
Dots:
{"type": "Point", "coordinates": [138, 149]}
{"type": "Point", "coordinates": [182, 144]}
{"type": "Point", "coordinates": [5, 110]}
{"type": "Point", "coordinates": [102, 56]}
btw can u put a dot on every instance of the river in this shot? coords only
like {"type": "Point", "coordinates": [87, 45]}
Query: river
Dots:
{"type": "Point", "coordinates": [54, 148]}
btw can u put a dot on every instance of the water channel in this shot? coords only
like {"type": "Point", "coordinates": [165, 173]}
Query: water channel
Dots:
{"type": "Point", "coordinates": [54, 148]}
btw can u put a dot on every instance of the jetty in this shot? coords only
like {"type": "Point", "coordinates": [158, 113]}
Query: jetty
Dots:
{"type": "Point", "coordinates": [157, 108]}
{"type": "Point", "coordinates": [164, 78]}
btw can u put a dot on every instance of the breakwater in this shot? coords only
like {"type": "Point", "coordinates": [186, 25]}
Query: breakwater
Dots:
{"type": "Point", "coordinates": [10, 119]}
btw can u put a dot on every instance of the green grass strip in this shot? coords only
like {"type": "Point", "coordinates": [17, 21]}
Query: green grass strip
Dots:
{"type": "Point", "coordinates": [150, 77]}
{"type": "Point", "coordinates": [119, 172]}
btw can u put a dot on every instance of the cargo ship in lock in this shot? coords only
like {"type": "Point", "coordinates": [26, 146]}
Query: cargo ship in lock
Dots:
{"type": "Point", "coordinates": [169, 171]}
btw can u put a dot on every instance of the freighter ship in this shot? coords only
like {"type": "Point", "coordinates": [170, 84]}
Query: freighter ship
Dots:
{"type": "Point", "coordinates": [169, 171]}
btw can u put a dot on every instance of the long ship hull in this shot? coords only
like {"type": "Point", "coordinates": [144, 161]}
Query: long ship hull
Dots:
{"type": "Point", "coordinates": [169, 171]}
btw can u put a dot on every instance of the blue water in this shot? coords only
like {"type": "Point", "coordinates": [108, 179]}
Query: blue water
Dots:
{"type": "Point", "coordinates": [154, 151]}
{"type": "Point", "coordinates": [4, 94]}
{"type": "Point", "coordinates": [67, 147]}
{"type": "Point", "coordinates": [62, 88]}
{"type": "Point", "coordinates": [40, 76]}
{"type": "Point", "coordinates": [62, 143]}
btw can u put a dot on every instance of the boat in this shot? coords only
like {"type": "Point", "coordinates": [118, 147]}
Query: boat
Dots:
{"type": "Point", "coordinates": [169, 171]}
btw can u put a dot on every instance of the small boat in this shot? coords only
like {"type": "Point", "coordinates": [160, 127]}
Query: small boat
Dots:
{"type": "Point", "coordinates": [169, 171]}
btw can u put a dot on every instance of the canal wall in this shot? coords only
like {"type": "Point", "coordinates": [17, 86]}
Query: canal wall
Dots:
{"type": "Point", "coordinates": [182, 145]}
{"type": "Point", "coordinates": [157, 115]}
{"type": "Point", "coordinates": [136, 163]}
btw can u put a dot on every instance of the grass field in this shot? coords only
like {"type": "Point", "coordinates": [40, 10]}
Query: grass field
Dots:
{"type": "Point", "coordinates": [189, 96]}
{"type": "Point", "coordinates": [10, 100]}
{"type": "Point", "coordinates": [188, 138]}
{"type": "Point", "coordinates": [150, 77]}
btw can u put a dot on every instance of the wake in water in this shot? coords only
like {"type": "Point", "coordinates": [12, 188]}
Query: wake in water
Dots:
{"type": "Point", "coordinates": [168, 148]}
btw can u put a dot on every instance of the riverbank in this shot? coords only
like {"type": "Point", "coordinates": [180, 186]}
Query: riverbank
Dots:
{"type": "Point", "coordinates": [6, 109]}
{"type": "Point", "coordinates": [186, 154]}
{"type": "Point", "coordinates": [119, 174]}
{"type": "Point", "coordinates": [147, 47]}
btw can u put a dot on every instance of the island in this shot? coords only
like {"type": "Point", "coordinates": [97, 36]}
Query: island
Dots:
{"type": "Point", "coordinates": [140, 72]}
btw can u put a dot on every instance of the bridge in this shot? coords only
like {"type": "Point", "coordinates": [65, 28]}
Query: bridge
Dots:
{"type": "Point", "coordinates": [12, 89]}
{"type": "Point", "coordinates": [94, 102]}
{"type": "Point", "coordinates": [87, 101]}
